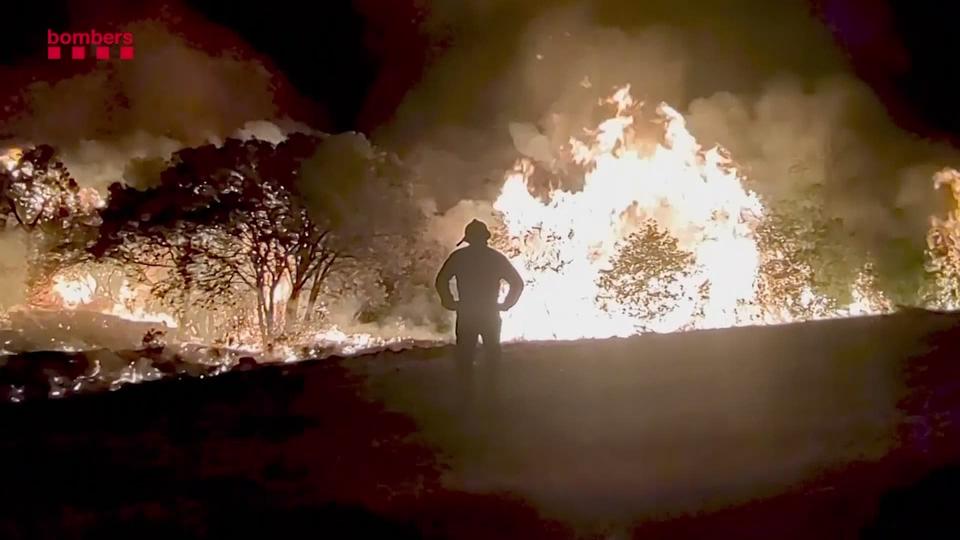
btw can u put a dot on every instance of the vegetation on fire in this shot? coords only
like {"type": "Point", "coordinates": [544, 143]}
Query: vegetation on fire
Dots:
{"type": "Point", "coordinates": [648, 275]}
{"type": "Point", "coordinates": [253, 240]}
{"type": "Point", "coordinates": [247, 227]}
{"type": "Point", "coordinates": [943, 246]}
{"type": "Point", "coordinates": [804, 272]}
{"type": "Point", "coordinates": [39, 198]}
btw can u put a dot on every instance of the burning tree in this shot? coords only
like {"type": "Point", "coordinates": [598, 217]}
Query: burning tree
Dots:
{"type": "Point", "coordinates": [805, 270]}
{"type": "Point", "coordinates": [232, 223]}
{"type": "Point", "coordinates": [224, 221]}
{"type": "Point", "coordinates": [650, 277]}
{"type": "Point", "coordinates": [365, 197]}
{"type": "Point", "coordinates": [40, 198]}
{"type": "Point", "coordinates": [36, 190]}
{"type": "Point", "coordinates": [943, 247]}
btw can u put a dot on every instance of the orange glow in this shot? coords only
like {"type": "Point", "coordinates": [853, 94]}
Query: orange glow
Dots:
{"type": "Point", "coordinates": [695, 194]}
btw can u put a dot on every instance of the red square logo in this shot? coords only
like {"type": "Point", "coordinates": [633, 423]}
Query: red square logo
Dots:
{"type": "Point", "coordinates": [103, 53]}
{"type": "Point", "coordinates": [53, 53]}
{"type": "Point", "coordinates": [126, 53]}
{"type": "Point", "coordinates": [78, 53]}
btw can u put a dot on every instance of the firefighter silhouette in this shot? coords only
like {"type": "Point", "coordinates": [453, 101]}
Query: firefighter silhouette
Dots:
{"type": "Point", "coordinates": [478, 270]}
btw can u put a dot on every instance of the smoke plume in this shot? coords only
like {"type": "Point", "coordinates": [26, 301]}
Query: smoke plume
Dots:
{"type": "Point", "coordinates": [173, 95]}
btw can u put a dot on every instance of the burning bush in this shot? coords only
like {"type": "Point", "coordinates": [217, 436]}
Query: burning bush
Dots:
{"type": "Point", "coordinates": [650, 277]}
{"type": "Point", "coordinates": [801, 266]}
{"type": "Point", "coordinates": [238, 221]}
{"type": "Point", "coordinates": [36, 191]}
{"type": "Point", "coordinates": [943, 247]}
{"type": "Point", "coordinates": [40, 198]}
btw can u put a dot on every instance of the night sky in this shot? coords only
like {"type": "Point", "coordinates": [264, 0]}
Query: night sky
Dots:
{"type": "Point", "coordinates": [348, 64]}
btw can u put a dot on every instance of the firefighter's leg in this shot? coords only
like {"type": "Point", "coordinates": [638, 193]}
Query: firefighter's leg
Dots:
{"type": "Point", "coordinates": [490, 334]}
{"type": "Point", "coordinates": [467, 335]}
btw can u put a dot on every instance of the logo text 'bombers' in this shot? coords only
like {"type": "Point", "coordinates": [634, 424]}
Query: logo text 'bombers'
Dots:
{"type": "Point", "coordinates": [79, 45]}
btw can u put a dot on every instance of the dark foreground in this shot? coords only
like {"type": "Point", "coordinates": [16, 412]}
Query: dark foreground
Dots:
{"type": "Point", "coordinates": [839, 429]}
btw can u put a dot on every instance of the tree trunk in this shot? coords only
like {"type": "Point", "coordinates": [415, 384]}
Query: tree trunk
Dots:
{"type": "Point", "coordinates": [261, 318]}
{"type": "Point", "coordinates": [312, 300]}
{"type": "Point", "coordinates": [269, 315]}
{"type": "Point", "coordinates": [315, 288]}
{"type": "Point", "coordinates": [208, 323]}
{"type": "Point", "coordinates": [273, 314]}
{"type": "Point", "coordinates": [293, 309]}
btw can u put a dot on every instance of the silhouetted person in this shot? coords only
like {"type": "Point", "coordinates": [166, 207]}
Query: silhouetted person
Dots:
{"type": "Point", "coordinates": [479, 270]}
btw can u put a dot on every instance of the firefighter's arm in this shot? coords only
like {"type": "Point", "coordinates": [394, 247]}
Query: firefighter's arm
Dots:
{"type": "Point", "coordinates": [442, 285]}
{"type": "Point", "coordinates": [515, 283]}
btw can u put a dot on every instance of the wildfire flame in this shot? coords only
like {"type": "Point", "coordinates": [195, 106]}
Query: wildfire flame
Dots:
{"type": "Point", "coordinates": [351, 343]}
{"type": "Point", "coordinates": [80, 290]}
{"type": "Point", "coordinates": [694, 195]}
{"type": "Point", "coordinates": [943, 243]}
{"type": "Point", "coordinates": [74, 292]}
{"type": "Point", "coordinates": [10, 157]}
{"type": "Point", "coordinates": [642, 191]}
{"type": "Point", "coordinates": [130, 306]}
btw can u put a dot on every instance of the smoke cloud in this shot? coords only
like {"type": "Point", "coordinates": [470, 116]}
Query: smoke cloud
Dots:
{"type": "Point", "coordinates": [108, 121]}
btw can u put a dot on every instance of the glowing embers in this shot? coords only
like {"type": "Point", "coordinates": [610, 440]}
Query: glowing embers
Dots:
{"type": "Point", "coordinates": [74, 292]}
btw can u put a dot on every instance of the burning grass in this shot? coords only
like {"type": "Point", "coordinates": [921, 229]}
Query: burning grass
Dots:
{"type": "Point", "coordinates": [55, 354]}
